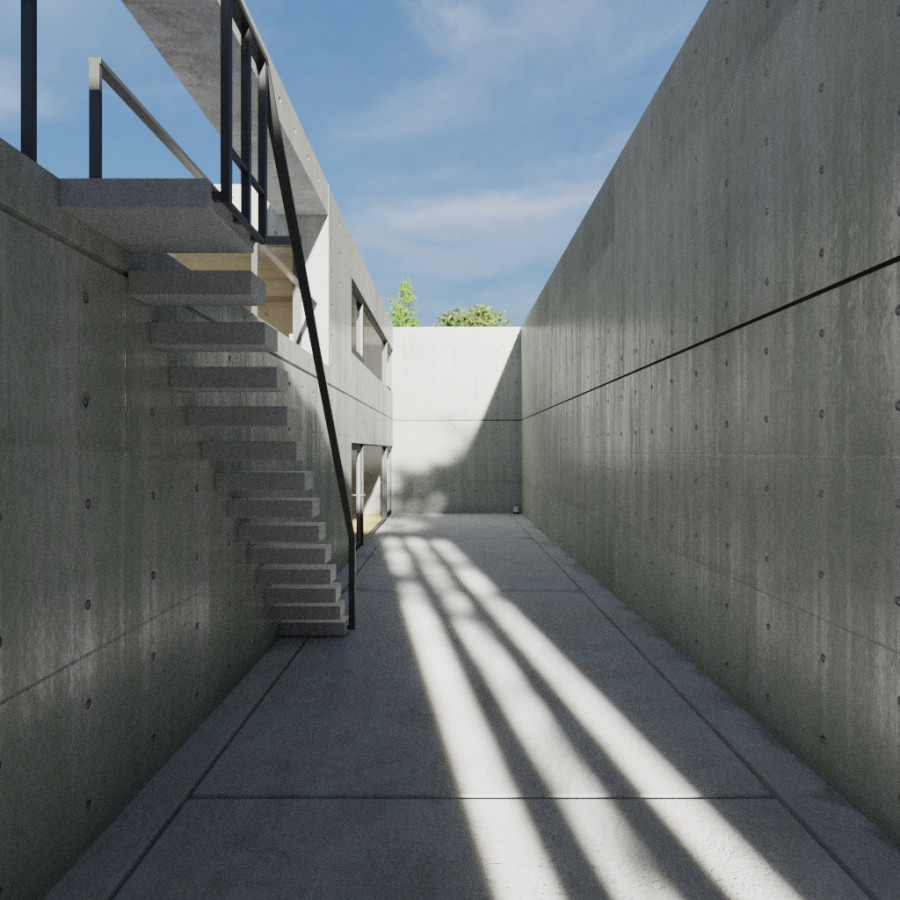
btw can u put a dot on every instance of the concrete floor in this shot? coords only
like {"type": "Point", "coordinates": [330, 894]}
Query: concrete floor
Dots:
{"type": "Point", "coordinates": [498, 726]}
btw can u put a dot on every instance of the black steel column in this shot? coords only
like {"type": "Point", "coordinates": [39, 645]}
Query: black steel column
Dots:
{"type": "Point", "coordinates": [95, 119]}
{"type": "Point", "coordinates": [246, 123]}
{"type": "Point", "coordinates": [262, 153]}
{"type": "Point", "coordinates": [29, 78]}
{"type": "Point", "coordinates": [225, 113]}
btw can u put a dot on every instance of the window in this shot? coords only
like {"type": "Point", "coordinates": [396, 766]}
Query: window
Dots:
{"type": "Point", "coordinates": [368, 342]}
{"type": "Point", "coordinates": [371, 488]}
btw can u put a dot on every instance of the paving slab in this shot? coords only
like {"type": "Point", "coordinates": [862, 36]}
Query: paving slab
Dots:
{"type": "Point", "coordinates": [472, 739]}
{"type": "Point", "coordinates": [359, 848]}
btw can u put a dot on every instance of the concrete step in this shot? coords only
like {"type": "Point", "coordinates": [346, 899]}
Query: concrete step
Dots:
{"type": "Point", "coordinates": [281, 596]}
{"type": "Point", "coordinates": [273, 507]}
{"type": "Point", "coordinates": [213, 337]}
{"type": "Point", "coordinates": [290, 554]}
{"type": "Point", "coordinates": [197, 288]}
{"type": "Point", "coordinates": [286, 481]}
{"type": "Point", "coordinates": [155, 215]}
{"type": "Point", "coordinates": [296, 575]}
{"type": "Point", "coordinates": [229, 378]}
{"type": "Point", "coordinates": [304, 628]}
{"type": "Point", "coordinates": [250, 450]}
{"type": "Point", "coordinates": [237, 416]}
{"type": "Point", "coordinates": [299, 612]}
{"type": "Point", "coordinates": [293, 533]}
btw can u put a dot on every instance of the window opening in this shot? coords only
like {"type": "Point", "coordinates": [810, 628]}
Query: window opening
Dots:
{"type": "Point", "coordinates": [371, 488]}
{"type": "Point", "coordinates": [368, 343]}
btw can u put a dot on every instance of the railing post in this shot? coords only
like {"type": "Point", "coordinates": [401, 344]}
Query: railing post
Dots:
{"type": "Point", "coordinates": [95, 127]}
{"type": "Point", "coordinates": [262, 197]}
{"type": "Point", "coordinates": [29, 79]}
{"type": "Point", "coordinates": [246, 123]}
{"type": "Point", "coordinates": [225, 111]}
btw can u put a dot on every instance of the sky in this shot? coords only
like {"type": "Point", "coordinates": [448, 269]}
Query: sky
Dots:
{"type": "Point", "coordinates": [463, 140]}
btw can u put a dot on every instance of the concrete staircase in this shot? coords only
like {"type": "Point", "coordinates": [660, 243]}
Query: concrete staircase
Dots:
{"type": "Point", "coordinates": [259, 477]}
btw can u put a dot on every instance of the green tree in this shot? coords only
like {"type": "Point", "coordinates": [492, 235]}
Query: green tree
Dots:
{"type": "Point", "coordinates": [404, 312]}
{"type": "Point", "coordinates": [479, 314]}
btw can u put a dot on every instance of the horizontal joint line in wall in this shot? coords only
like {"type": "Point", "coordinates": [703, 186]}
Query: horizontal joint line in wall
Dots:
{"type": "Point", "coordinates": [766, 315]}
{"type": "Point", "coordinates": [95, 650]}
{"type": "Point", "coordinates": [61, 238]}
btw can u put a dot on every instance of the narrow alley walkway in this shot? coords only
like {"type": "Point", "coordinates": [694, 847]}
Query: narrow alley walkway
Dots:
{"type": "Point", "coordinates": [498, 726]}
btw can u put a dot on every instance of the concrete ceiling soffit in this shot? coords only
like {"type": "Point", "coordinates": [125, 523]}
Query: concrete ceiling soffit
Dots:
{"type": "Point", "coordinates": [186, 33]}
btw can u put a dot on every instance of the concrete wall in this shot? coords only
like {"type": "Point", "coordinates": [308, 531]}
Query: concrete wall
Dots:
{"type": "Point", "coordinates": [127, 604]}
{"type": "Point", "coordinates": [457, 411]}
{"type": "Point", "coordinates": [711, 373]}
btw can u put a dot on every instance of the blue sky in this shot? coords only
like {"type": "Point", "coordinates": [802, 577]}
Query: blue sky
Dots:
{"type": "Point", "coordinates": [463, 139]}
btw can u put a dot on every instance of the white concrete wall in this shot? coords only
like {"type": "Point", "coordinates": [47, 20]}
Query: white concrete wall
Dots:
{"type": "Point", "coordinates": [457, 412]}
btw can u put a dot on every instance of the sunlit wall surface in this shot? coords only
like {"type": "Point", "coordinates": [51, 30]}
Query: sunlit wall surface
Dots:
{"type": "Point", "coordinates": [710, 378]}
{"type": "Point", "coordinates": [457, 412]}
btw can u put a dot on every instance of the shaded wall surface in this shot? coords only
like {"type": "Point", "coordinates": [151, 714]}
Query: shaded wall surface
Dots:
{"type": "Point", "coordinates": [127, 604]}
{"type": "Point", "coordinates": [457, 420]}
{"type": "Point", "coordinates": [711, 372]}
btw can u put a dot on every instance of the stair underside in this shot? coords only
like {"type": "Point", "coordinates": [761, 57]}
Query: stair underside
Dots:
{"type": "Point", "coordinates": [290, 628]}
{"type": "Point", "coordinates": [197, 288]}
{"type": "Point", "coordinates": [250, 450]}
{"type": "Point", "coordinates": [284, 533]}
{"type": "Point", "coordinates": [308, 574]}
{"type": "Point", "coordinates": [273, 507]}
{"type": "Point", "coordinates": [290, 554]}
{"type": "Point", "coordinates": [214, 337]}
{"type": "Point", "coordinates": [155, 215]}
{"type": "Point", "coordinates": [287, 481]}
{"type": "Point", "coordinates": [237, 416]}
{"type": "Point", "coordinates": [226, 378]}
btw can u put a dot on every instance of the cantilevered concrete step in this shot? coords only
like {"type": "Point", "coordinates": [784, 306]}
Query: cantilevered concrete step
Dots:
{"type": "Point", "coordinates": [213, 337]}
{"type": "Point", "coordinates": [290, 554]}
{"type": "Point", "coordinates": [197, 288]}
{"type": "Point", "coordinates": [273, 507]}
{"type": "Point", "coordinates": [158, 215]}
{"type": "Point", "coordinates": [237, 416]}
{"type": "Point", "coordinates": [229, 378]}
{"type": "Point", "coordinates": [250, 450]}
{"type": "Point", "coordinates": [296, 596]}
{"type": "Point", "coordinates": [298, 612]}
{"type": "Point", "coordinates": [284, 482]}
{"type": "Point", "coordinates": [312, 628]}
{"type": "Point", "coordinates": [295, 533]}
{"type": "Point", "coordinates": [294, 575]}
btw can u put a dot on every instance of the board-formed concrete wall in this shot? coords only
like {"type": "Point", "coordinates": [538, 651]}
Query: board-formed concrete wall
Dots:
{"type": "Point", "coordinates": [457, 420]}
{"type": "Point", "coordinates": [127, 603]}
{"type": "Point", "coordinates": [711, 377]}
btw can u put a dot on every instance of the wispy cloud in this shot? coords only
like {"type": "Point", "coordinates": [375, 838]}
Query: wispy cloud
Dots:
{"type": "Point", "coordinates": [474, 234]}
{"type": "Point", "coordinates": [490, 53]}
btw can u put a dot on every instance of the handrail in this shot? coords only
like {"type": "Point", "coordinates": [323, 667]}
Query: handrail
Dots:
{"type": "Point", "coordinates": [234, 14]}
{"type": "Point", "coordinates": [99, 72]}
{"type": "Point", "coordinates": [290, 211]}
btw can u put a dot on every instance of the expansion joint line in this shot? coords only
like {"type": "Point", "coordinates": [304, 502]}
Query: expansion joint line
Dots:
{"type": "Point", "coordinates": [198, 779]}
{"type": "Point", "coordinates": [856, 276]}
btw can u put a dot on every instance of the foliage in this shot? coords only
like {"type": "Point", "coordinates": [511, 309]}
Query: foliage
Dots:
{"type": "Point", "coordinates": [404, 312]}
{"type": "Point", "coordinates": [479, 314]}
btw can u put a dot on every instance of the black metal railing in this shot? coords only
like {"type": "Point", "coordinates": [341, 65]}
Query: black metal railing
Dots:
{"type": "Point", "coordinates": [28, 90]}
{"type": "Point", "coordinates": [234, 17]}
{"type": "Point", "coordinates": [99, 73]}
